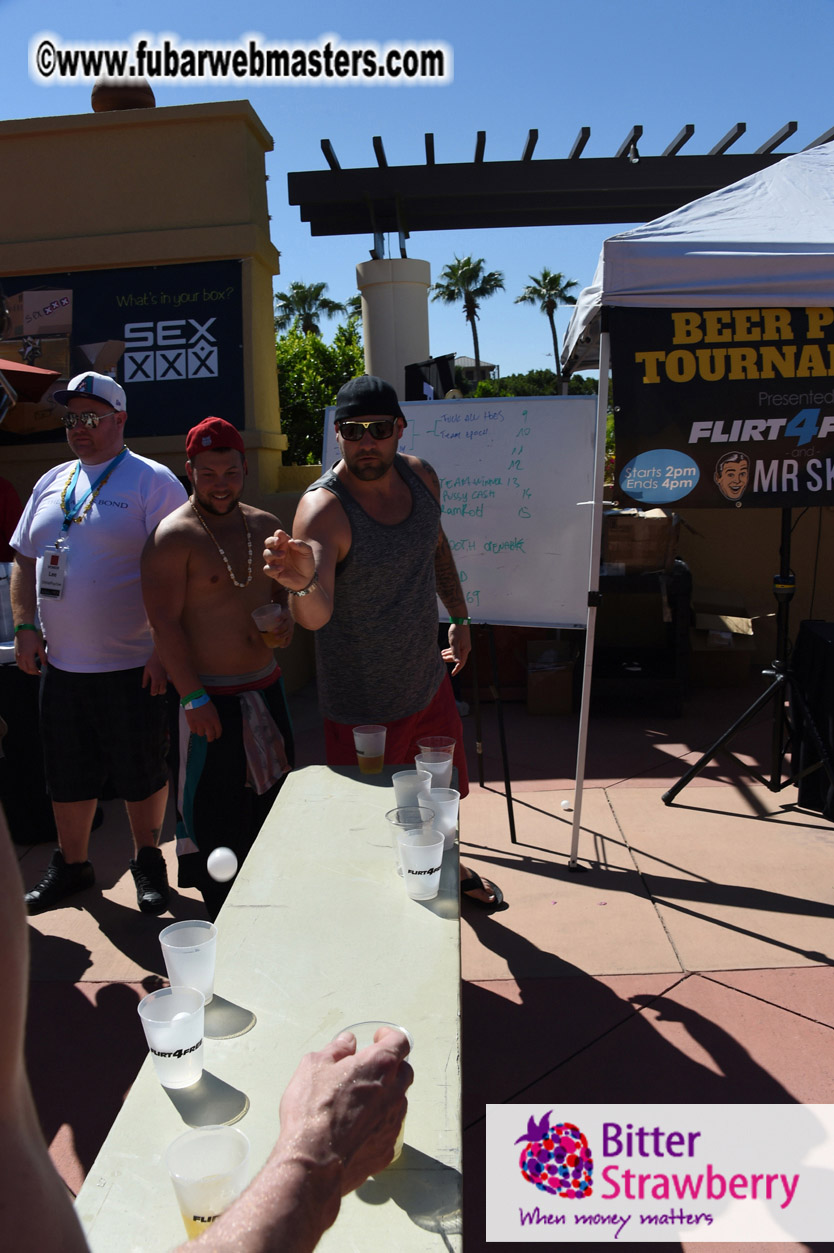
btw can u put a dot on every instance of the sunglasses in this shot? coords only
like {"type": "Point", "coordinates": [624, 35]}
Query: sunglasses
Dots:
{"type": "Point", "coordinates": [90, 420]}
{"type": "Point", "coordinates": [380, 428]}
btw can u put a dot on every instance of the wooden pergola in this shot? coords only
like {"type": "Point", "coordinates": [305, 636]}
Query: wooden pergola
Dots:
{"type": "Point", "coordinates": [575, 190]}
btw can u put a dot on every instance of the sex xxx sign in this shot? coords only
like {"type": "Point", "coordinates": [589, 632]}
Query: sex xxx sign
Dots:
{"type": "Point", "coordinates": [728, 407]}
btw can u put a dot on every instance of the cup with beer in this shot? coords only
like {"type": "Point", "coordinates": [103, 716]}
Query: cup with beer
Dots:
{"type": "Point", "coordinates": [270, 621]}
{"type": "Point", "coordinates": [370, 748]}
{"type": "Point", "coordinates": [209, 1168]}
{"type": "Point", "coordinates": [366, 1033]}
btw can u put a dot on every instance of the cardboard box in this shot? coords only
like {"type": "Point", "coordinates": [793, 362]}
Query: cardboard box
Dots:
{"type": "Point", "coordinates": [54, 355]}
{"type": "Point", "coordinates": [634, 542]}
{"type": "Point", "coordinates": [29, 417]}
{"type": "Point", "coordinates": [549, 678]}
{"type": "Point", "coordinates": [721, 644]}
{"type": "Point", "coordinates": [40, 313]}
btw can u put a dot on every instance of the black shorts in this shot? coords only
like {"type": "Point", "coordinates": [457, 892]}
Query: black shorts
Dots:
{"type": "Point", "coordinates": [101, 730]}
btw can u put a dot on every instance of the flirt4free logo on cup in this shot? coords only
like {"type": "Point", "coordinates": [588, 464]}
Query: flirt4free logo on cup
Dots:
{"type": "Point", "coordinates": [714, 1173]}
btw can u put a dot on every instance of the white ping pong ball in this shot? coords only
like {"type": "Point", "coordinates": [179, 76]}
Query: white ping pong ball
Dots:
{"type": "Point", "coordinates": [182, 1014]}
{"type": "Point", "coordinates": [566, 804]}
{"type": "Point", "coordinates": [222, 865]}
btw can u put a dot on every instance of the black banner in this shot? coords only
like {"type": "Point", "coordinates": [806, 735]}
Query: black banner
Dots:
{"type": "Point", "coordinates": [172, 335]}
{"type": "Point", "coordinates": [724, 407]}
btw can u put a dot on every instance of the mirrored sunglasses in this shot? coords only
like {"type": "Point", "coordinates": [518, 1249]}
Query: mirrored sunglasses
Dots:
{"type": "Point", "coordinates": [90, 420]}
{"type": "Point", "coordinates": [380, 428]}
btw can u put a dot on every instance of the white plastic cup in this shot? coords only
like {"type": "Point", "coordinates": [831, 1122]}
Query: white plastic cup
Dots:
{"type": "Point", "coordinates": [209, 1168]}
{"type": "Point", "coordinates": [173, 1022]}
{"type": "Point", "coordinates": [408, 820]}
{"type": "Point", "coordinates": [189, 949]}
{"type": "Point", "coordinates": [439, 764]}
{"type": "Point", "coordinates": [268, 619]}
{"type": "Point", "coordinates": [445, 801]}
{"type": "Point", "coordinates": [369, 742]}
{"type": "Point", "coordinates": [411, 787]}
{"type": "Point", "coordinates": [365, 1033]}
{"type": "Point", "coordinates": [436, 744]}
{"type": "Point", "coordinates": [421, 855]}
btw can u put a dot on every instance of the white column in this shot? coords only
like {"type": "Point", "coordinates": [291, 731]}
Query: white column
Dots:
{"type": "Point", "coordinates": [395, 316]}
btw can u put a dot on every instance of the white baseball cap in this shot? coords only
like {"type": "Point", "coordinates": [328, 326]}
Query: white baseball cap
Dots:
{"type": "Point", "coordinates": [99, 386]}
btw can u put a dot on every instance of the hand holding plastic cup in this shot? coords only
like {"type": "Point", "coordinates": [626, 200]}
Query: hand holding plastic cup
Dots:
{"type": "Point", "coordinates": [445, 801]}
{"type": "Point", "coordinates": [173, 1023]}
{"type": "Point", "coordinates": [440, 766]}
{"type": "Point", "coordinates": [269, 619]}
{"type": "Point", "coordinates": [421, 855]}
{"type": "Point", "coordinates": [366, 1033]}
{"type": "Point", "coordinates": [209, 1168]}
{"type": "Point", "coordinates": [411, 787]}
{"type": "Point", "coordinates": [406, 820]}
{"type": "Point", "coordinates": [189, 950]}
{"type": "Point", "coordinates": [370, 748]}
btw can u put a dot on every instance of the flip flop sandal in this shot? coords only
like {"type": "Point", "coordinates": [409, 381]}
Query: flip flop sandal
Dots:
{"type": "Point", "coordinates": [475, 883]}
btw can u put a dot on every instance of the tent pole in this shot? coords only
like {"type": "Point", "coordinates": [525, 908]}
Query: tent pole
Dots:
{"type": "Point", "coordinates": [593, 596]}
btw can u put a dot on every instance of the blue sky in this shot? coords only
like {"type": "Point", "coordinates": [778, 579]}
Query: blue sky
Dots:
{"type": "Point", "coordinates": [542, 64]}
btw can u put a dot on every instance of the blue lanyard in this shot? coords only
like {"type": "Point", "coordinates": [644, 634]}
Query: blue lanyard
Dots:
{"type": "Point", "coordinates": [71, 509]}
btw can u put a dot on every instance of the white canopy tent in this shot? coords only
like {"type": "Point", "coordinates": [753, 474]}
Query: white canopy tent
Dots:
{"type": "Point", "coordinates": [767, 240]}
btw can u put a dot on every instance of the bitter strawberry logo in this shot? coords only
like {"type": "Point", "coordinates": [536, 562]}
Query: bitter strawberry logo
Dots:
{"type": "Point", "coordinates": [556, 1158]}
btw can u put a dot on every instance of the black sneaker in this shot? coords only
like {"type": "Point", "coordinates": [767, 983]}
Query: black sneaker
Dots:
{"type": "Point", "coordinates": [150, 875]}
{"type": "Point", "coordinates": [61, 879]}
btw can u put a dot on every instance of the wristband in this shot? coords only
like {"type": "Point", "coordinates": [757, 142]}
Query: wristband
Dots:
{"type": "Point", "coordinates": [186, 700]}
{"type": "Point", "coordinates": [197, 702]}
{"type": "Point", "coordinates": [459, 621]}
{"type": "Point", "coordinates": [25, 626]}
{"type": "Point", "coordinates": [305, 591]}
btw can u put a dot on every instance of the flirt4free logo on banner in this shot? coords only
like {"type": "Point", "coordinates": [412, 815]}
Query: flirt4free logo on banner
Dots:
{"type": "Point", "coordinates": [578, 1173]}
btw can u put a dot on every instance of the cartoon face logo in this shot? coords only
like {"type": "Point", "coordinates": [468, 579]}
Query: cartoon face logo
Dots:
{"type": "Point", "coordinates": [556, 1158]}
{"type": "Point", "coordinates": [732, 474]}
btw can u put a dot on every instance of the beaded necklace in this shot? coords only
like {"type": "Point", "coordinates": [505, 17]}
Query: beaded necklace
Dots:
{"type": "Point", "coordinates": [226, 561]}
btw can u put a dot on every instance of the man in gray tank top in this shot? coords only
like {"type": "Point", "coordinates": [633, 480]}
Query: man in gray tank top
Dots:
{"type": "Point", "coordinates": [364, 566]}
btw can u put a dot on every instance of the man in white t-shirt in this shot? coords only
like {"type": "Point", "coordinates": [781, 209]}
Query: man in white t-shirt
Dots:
{"type": "Point", "coordinates": [77, 547]}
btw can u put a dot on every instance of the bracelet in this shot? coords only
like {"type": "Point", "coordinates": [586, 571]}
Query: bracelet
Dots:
{"type": "Point", "coordinates": [197, 703]}
{"type": "Point", "coordinates": [459, 621]}
{"type": "Point", "coordinates": [305, 591]}
{"type": "Point", "coordinates": [25, 626]}
{"type": "Point", "coordinates": [186, 700]}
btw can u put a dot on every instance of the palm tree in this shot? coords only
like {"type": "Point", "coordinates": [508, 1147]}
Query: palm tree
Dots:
{"type": "Point", "coordinates": [306, 302]}
{"type": "Point", "coordinates": [464, 279]}
{"type": "Point", "coordinates": [549, 290]}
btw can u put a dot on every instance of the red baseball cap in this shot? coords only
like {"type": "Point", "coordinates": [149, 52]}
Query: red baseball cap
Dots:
{"type": "Point", "coordinates": [213, 433]}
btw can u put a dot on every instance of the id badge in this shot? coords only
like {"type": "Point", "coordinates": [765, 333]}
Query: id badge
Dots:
{"type": "Point", "coordinates": [53, 572]}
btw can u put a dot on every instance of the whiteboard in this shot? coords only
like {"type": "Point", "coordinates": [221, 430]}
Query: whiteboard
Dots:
{"type": "Point", "coordinates": [516, 482]}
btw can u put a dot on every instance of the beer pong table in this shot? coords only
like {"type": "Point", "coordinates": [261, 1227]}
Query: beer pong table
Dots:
{"type": "Point", "coordinates": [317, 933]}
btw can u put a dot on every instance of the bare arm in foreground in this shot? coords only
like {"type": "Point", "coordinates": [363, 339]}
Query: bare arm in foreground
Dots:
{"type": "Point", "coordinates": [340, 1115]}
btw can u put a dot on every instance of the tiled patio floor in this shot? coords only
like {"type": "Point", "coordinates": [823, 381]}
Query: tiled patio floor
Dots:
{"type": "Point", "coordinates": [692, 958]}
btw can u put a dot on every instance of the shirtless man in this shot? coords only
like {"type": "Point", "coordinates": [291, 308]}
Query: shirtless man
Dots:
{"type": "Point", "coordinates": [339, 1115]}
{"type": "Point", "coordinates": [201, 579]}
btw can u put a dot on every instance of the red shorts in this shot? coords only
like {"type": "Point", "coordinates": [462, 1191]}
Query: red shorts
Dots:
{"type": "Point", "coordinates": [441, 717]}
